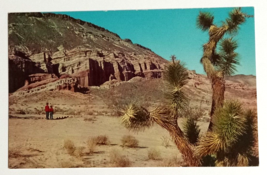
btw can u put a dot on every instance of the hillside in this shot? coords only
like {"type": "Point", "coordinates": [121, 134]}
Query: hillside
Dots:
{"type": "Point", "coordinates": [89, 54]}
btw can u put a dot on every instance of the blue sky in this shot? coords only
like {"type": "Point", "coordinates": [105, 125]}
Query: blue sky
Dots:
{"type": "Point", "coordinates": [174, 31]}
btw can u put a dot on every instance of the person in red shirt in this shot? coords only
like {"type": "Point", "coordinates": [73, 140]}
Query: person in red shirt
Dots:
{"type": "Point", "coordinates": [51, 111]}
{"type": "Point", "coordinates": [47, 111]}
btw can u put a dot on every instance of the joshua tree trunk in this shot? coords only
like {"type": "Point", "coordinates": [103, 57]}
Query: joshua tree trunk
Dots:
{"type": "Point", "coordinates": [180, 141]}
{"type": "Point", "coordinates": [218, 88]}
{"type": "Point", "coordinates": [217, 78]}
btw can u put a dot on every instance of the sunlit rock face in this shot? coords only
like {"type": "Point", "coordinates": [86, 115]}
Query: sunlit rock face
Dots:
{"type": "Point", "coordinates": [46, 47]}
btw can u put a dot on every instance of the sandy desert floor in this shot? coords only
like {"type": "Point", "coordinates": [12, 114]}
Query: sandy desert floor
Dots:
{"type": "Point", "coordinates": [35, 142]}
{"type": "Point", "coordinates": [40, 142]}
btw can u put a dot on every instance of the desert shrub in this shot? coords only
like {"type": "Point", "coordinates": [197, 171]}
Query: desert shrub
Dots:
{"type": "Point", "coordinates": [78, 152]}
{"type": "Point", "coordinates": [154, 154]}
{"type": "Point", "coordinates": [129, 141]}
{"type": "Point", "coordinates": [191, 130]}
{"type": "Point", "coordinates": [89, 112]}
{"type": "Point", "coordinates": [89, 119]}
{"type": "Point", "coordinates": [102, 140]}
{"type": "Point", "coordinates": [118, 160]}
{"type": "Point", "coordinates": [69, 146]}
{"type": "Point", "coordinates": [20, 111]}
{"type": "Point", "coordinates": [91, 144]}
{"type": "Point", "coordinates": [165, 141]}
{"type": "Point", "coordinates": [14, 152]}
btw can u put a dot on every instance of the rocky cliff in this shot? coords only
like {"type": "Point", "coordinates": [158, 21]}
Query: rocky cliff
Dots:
{"type": "Point", "coordinates": [66, 47]}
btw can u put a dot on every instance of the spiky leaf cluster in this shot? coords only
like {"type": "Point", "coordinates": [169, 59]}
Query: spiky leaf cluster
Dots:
{"type": "Point", "coordinates": [229, 124]}
{"type": "Point", "coordinates": [232, 138]}
{"type": "Point", "coordinates": [236, 17]}
{"type": "Point", "coordinates": [176, 77]}
{"type": "Point", "coordinates": [204, 20]}
{"type": "Point", "coordinates": [176, 74]}
{"type": "Point", "coordinates": [228, 56]}
{"type": "Point", "coordinates": [136, 118]}
{"type": "Point", "coordinates": [191, 130]}
{"type": "Point", "coordinates": [177, 99]}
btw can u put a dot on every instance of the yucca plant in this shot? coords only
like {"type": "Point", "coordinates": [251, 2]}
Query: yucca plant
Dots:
{"type": "Point", "coordinates": [232, 138]}
{"type": "Point", "coordinates": [220, 62]}
{"type": "Point", "coordinates": [191, 130]}
{"type": "Point", "coordinates": [138, 118]}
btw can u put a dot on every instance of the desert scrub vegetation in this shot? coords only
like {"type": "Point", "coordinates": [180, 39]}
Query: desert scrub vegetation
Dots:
{"type": "Point", "coordinates": [229, 143]}
{"type": "Point", "coordinates": [14, 152]}
{"type": "Point", "coordinates": [91, 144]}
{"type": "Point", "coordinates": [69, 146]}
{"type": "Point", "coordinates": [78, 152]}
{"type": "Point", "coordinates": [90, 119]}
{"type": "Point", "coordinates": [154, 154]}
{"type": "Point", "coordinates": [142, 93]}
{"type": "Point", "coordinates": [232, 140]}
{"type": "Point", "coordinates": [129, 141]}
{"type": "Point", "coordinates": [72, 149]}
{"type": "Point", "coordinates": [102, 140]}
{"type": "Point", "coordinates": [118, 160]}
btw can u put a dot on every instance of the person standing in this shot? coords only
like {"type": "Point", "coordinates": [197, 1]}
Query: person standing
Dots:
{"type": "Point", "coordinates": [51, 111]}
{"type": "Point", "coordinates": [47, 111]}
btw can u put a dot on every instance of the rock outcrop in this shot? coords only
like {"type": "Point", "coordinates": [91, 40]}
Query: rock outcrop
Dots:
{"type": "Point", "coordinates": [66, 47]}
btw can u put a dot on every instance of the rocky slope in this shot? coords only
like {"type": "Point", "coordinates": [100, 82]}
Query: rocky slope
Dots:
{"type": "Point", "coordinates": [42, 43]}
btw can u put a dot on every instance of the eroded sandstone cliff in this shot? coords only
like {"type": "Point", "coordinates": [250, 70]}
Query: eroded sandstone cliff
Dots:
{"type": "Point", "coordinates": [88, 54]}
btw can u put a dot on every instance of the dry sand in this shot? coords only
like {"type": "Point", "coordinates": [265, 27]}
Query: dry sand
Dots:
{"type": "Point", "coordinates": [35, 142]}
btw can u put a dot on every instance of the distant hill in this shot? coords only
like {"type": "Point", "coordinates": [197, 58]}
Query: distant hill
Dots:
{"type": "Point", "coordinates": [244, 79]}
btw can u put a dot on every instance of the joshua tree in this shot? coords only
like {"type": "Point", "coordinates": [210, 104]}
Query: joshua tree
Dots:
{"type": "Point", "coordinates": [231, 141]}
{"type": "Point", "coordinates": [233, 137]}
{"type": "Point", "coordinates": [229, 144]}
{"type": "Point", "coordinates": [173, 57]}
{"type": "Point", "coordinates": [220, 62]}
{"type": "Point", "coordinates": [137, 118]}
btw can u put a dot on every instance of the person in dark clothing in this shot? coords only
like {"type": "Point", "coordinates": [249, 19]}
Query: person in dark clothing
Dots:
{"type": "Point", "coordinates": [51, 111]}
{"type": "Point", "coordinates": [47, 111]}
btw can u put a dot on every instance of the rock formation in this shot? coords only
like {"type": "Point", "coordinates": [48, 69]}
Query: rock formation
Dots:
{"type": "Point", "coordinates": [67, 48]}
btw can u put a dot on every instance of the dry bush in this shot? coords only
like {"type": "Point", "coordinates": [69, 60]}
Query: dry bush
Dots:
{"type": "Point", "coordinates": [91, 144]}
{"type": "Point", "coordinates": [154, 154]}
{"type": "Point", "coordinates": [20, 111]}
{"type": "Point", "coordinates": [78, 152]}
{"type": "Point", "coordinates": [118, 160]}
{"type": "Point", "coordinates": [102, 140]}
{"type": "Point", "coordinates": [90, 119]}
{"type": "Point", "coordinates": [14, 152]}
{"type": "Point", "coordinates": [129, 141]}
{"type": "Point", "coordinates": [165, 141]}
{"type": "Point", "coordinates": [69, 146]}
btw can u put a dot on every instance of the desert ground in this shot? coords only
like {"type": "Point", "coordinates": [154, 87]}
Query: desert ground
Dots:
{"type": "Point", "coordinates": [87, 131]}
